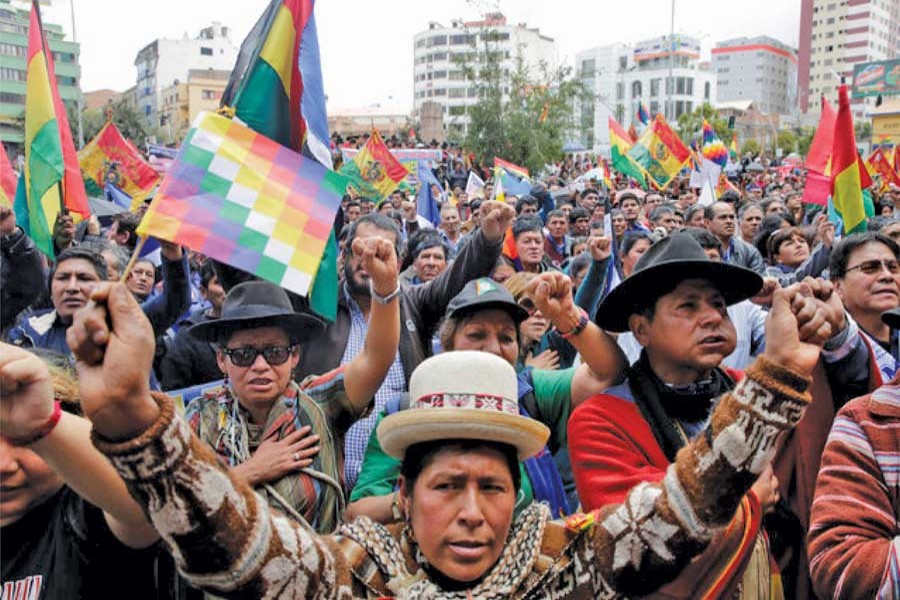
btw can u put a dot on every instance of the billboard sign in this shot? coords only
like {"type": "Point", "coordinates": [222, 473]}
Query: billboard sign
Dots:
{"type": "Point", "coordinates": [876, 78]}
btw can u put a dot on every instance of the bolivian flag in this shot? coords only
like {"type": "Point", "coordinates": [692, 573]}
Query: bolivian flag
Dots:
{"type": "Point", "coordinates": [52, 176]}
{"type": "Point", "coordinates": [620, 144]}
{"type": "Point", "coordinates": [7, 180]}
{"type": "Point", "coordinates": [659, 152]}
{"type": "Point", "coordinates": [110, 158]}
{"type": "Point", "coordinates": [374, 171]}
{"type": "Point", "coordinates": [276, 90]}
{"type": "Point", "coordinates": [849, 179]}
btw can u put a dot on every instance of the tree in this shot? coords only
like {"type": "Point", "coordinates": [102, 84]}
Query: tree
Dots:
{"type": "Point", "coordinates": [125, 117]}
{"type": "Point", "coordinates": [804, 140]}
{"type": "Point", "coordinates": [690, 125]}
{"type": "Point", "coordinates": [863, 131]}
{"type": "Point", "coordinates": [787, 141]}
{"type": "Point", "coordinates": [520, 116]}
{"type": "Point", "coordinates": [750, 146]}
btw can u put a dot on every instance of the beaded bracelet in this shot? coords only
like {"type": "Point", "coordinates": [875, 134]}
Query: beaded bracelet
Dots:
{"type": "Point", "coordinates": [42, 431]}
{"type": "Point", "coordinates": [583, 321]}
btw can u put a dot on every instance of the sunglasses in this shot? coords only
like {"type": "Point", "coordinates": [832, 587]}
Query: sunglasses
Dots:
{"type": "Point", "coordinates": [871, 267]}
{"type": "Point", "coordinates": [246, 356]}
{"type": "Point", "coordinates": [528, 305]}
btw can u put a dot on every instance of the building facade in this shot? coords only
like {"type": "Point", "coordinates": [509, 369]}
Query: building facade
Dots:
{"type": "Point", "coordinates": [667, 76]}
{"type": "Point", "coordinates": [760, 69]}
{"type": "Point", "coordinates": [14, 19]}
{"type": "Point", "coordinates": [836, 35]}
{"type": "Point", "coordinates": [440, 53]}
{"type": "Point", "coordinates": [184, 100]}
{"type": "Point", "coordinates": [167, 62]}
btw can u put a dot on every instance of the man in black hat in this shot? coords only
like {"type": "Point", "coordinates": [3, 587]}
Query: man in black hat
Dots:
{"type": "Point", "coordinates": [674, 303]}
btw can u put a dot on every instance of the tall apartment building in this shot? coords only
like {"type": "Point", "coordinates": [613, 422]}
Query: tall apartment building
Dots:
{"type": "Point", "coordinates": [184, 100]}
{"type": "Point", "coordinates": [166, 62]}
{"type": "Point", "coordinates": [664, 73]}
{"type": "Point", "coordinates": [836, 35]}
{"type": "Point", "coordinates": [14, 19]}
{"type": "Point", "coordinates": [438, 75]}
{"type": "Point", "coordinates": [760, 69]}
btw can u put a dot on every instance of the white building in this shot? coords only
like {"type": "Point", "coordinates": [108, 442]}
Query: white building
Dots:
{"type": "Point", "coordinates": [166, 62]}
{"type": "Point", "coordinates": [668, 78]}
{"type": "Point", "coordinates": [837, 35]}
{"type": "Point", "coordinates": [438, 74]}
{"type": "Point", "coordinates": [760, 69]}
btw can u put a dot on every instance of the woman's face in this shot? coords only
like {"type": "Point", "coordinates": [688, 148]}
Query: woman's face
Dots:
{"type": "Point", "coordinates": [259, 384]}
{"type": "Point", "coordinates": [535, 326]}
{"type": "Point", "coordinates": [26, 480]}
{"type": "Point", "coordinates": [793, 251]}
{"type": "Point", "coordinates": [461, 509]}
{"type": "Point", "coordinates": [491, 331]}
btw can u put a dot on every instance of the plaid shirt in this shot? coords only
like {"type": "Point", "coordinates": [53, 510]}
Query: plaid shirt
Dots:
{"type": "Point", "coordinates": [394, 384]}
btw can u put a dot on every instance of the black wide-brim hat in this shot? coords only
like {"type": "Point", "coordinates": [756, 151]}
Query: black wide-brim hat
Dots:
{"type": "Point", "coordinates": [667, 263]}
{"type": "Point", "coordinates": [255, 304]}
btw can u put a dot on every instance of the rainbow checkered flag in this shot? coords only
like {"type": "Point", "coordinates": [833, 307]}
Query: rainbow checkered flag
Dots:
{"type": "Point", "coordinates": [245, 200]}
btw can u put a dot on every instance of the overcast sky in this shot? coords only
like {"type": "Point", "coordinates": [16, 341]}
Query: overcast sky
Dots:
{"type": "Point", "coordinates": [367, 46]}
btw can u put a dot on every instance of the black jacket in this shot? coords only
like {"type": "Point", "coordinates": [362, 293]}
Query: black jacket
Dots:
{"type": "Point", "coordinates": [422, 308]}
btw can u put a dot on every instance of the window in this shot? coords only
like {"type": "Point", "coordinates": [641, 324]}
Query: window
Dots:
{"type": "Point", "coordinates": [440, 92]}
{"type": "Point", "coordinates": [654, 87]}
{"type": "Point", "coordinates": [462, 39]}
{"type": "Point", "coordinates": [204, 51]}
{"type": "Point", "coordinates": [620, 91]}
{"type": "Point", "coordinates": [679, 108]}
{"type": "Point", "coordinates": [438, 40]}
{"type": "Point", "coordinates": [654, 107]}
{"type": "Point", "coordinates": [623, 63]}
{"type": "Point", "coordinates": [456, 92]}
{"type": "Point", "coordinates": [457, 76]}
{"type": "Point", "coordinates": [689, 86]}
{"type": "Point", "coordinates": [636, 89]}
{"type": "Point", "coordinates": [457, 111]}
{"type": "Point", "coordinates": [588, 67]}
{"type": "Point", "coordinates": [680, 85]}
{"type": "Point", "coordinates": [472, 92]}
{"type": "Point", "coordinates": [706, 89]}
{"type": "Point", "coordinates": [8, 98]}
{"type": "Point", "coordinates": [10, 74]}
{"type": "Point", "coordinates": [210, 94]}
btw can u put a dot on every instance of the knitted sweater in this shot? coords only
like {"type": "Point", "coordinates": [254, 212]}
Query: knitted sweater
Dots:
{"type": "Point", "coordinates": [226, 540]}
{"type": "Point", "coordinates": [854, 533]}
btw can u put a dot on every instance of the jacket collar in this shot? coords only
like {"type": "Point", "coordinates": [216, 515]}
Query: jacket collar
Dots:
{"type": "Point", "coordinates": [885, 401]}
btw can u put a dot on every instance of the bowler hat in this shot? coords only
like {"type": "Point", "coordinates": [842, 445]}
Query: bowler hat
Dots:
{"type": "Point", "coordinates": [255, 304]}
{"type": "Point", "coordinates": [659, 271]}
{"type": "Point", "coordinates": [484, 294]}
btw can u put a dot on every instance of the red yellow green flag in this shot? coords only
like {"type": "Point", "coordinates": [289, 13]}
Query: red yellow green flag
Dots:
{"type": "Point", "coordinates": [879, 163]}
{"type": "Point", "coordinates": [110, 158]}
{"type": "Point", "coordinates": [849, 176]}
{"type": "Point", "coordinates": [659, 152]}
{"type": "Point", "coordinates": [733, 149]}
{"type": "Point", "coordinates": [7, 180]}
{"type": "Point", "coordinates": [619, 145]}
{"type": "Point", "coordinates": [52, 175]}
{"type": "Point", "coordinates": [374, 171]}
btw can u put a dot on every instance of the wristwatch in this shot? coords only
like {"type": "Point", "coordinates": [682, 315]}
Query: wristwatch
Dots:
{"type": "Point", "coordinates": [383, 299]}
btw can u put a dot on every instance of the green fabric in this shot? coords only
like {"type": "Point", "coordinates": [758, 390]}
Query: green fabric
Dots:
{"type": "Point", "coordinates": [263, 105]}
{"type": "Point", "coordinates": [46, 167]}
{"type": "Point", "coordinates": [323, 297]}
{"type": "Point", "coordinates": [626, 166]}
{"type": "Point", "coordinates": [869, 208]}
{"type": "Point", "coordinates": [553, 396]}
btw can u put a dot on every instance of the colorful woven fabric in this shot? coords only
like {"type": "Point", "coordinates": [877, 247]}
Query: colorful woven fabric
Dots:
{"type": "Point", "coordinates": [110, 158]}
{"type": "Point", "coordinates": [512, 169]}
{"type": "Point", "coordinates": [713, 148]}
{"type": "Point", "coordinates": [243, 199]}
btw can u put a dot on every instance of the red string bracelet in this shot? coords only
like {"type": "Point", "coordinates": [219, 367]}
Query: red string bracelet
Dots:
{"type": "Point", "coordinates": [42, 431]}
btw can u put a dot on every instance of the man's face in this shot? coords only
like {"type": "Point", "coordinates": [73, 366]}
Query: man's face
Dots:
{"type": "Point", "coordinates": [397, 200]}
{"type": "Point", "coordinates": [409, 210]}
{"type": "Point", "coordinates": [141, 279]}
{"type": "Point", "coordinates": [631, 208]}
{"type": "Point", "coordinates": [72, 284]}
{"type": "Point", "coordinates": [690, 333]}
{"type": "Point", "coordinates": [557, 226]}
{"type": "Point", "coordinates": [722, 224]}
{"type": "Point", "coordinates": [589, 201]}
{"type": "Point", "coordinates": [651, 201]}
{"type": "Point", "coordinates": [353, 213]}
{"type": "Point", "coordinates": [868, 288]}
{"type": "Point", "coordinates": [354, 274]}
{"type": "Point", "coordinates": [619, 224]}
{"type": "Point", "coordinates": [756, 193]}
{"type": "Point", "coordinates": [750, 222]}
{"type": "Point", "coordinates": [530, 246]}
{"type": "Point", "coordinates": [450, 221]}
{"type": "Point", "coordinates": [529, 209]}
{"type": "Point", "coordinates": [566, 208]}
{"type": "Point", "coordinates": [365, 208]}
{"type": "Point", "coordinates": [599, 212]}
{"type": "Point", "coordinates": [581, 227]}
{"type": "Point", "coordinates": [687, 200]}
{"type": "Point", "coordinates": [667, 222]}
{"type": "Point", "coordinates": [114, 235]}
{"type": "Point", "coordinates": [430, 263]}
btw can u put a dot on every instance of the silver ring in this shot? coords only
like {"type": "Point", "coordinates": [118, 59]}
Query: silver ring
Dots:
{"type": "Point", "coordinates": [296, 457]}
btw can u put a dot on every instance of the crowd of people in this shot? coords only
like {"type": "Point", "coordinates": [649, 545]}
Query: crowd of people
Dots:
{"type": "Point", "coordinates": [580, 392]}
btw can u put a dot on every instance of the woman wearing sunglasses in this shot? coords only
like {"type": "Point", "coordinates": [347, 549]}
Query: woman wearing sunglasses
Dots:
{"type": "Point", "coordinates": [485, 317]}
{"type": "Point", "coordinates": [283, 439]}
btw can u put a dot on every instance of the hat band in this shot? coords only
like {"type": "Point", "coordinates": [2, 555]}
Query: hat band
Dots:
{"type": "Point", "coordinates": [474, 401]}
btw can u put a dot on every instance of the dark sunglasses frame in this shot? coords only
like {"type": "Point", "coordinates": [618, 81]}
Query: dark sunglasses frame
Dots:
{"type": "Point", "coordinates": [238, 356]}
{"type": "Point", "coordinates": [868, 267]}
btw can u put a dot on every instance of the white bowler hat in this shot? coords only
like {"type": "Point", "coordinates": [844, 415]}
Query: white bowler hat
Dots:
{"type": "Point", "coordinates": [462, 395]}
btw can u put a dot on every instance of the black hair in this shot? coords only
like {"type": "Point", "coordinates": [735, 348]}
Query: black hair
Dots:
{"type": "Point", "coordinates": [704, 237]}
{"type": "Point", "coordinates": [730, 196]}
{"type": "Point", "coordinates": [98, 262]}
{"type": "Point", "coordinates": [526, 200]}
{"type": "Point", "coordinates": [578, 213]}
{"type": "Point", "coordinates": [690, 212]}
{"type": "Point", "coordinates": [628, 196]}
{"type": "Point", "coordinates": [101, 245]}
{"type": "Point", "coordinates": [556, 212]}
{"type": "Point", "coordinates": [422, 240]}
{"type": "Point", "coordinates": [769, 225]}
{"type": "Point", "coordinates": [377, 220]}
{"type": "Point", "coordinates": [746, 207]}
{"type": "Point", "coordinates": [525, 224]}
{"type": "Point", "coordinates": [421, 455]}
{"type": "Point", "coordinates": [631, 238]}
{"type": "Point", "coordinates": [709, 212]}
{"type": "Point", "coordinates": [128, 222]}
{"type": "Point", "coordinates": [207, 272]}
{"type": "Point", "coordinates": [841, 251]}
{"type": "Point", "coordinates": [660, 211]}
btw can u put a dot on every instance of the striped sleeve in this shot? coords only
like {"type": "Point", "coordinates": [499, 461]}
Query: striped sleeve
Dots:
{"type": "Point", "coordinates": [853, 536]}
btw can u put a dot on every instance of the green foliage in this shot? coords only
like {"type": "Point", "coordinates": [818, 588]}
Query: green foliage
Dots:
{"type": "Point", "coordinates": [787, 141]}
{"type": "Point", "coordinates": [127, 119]}
{"type": "Point", "coordinates": [690, 125]}
{"type": "Point", "coordinates": [520, 116]}
{"type": "Point", "coordinates": [863, 130]}
{"type": "Point", "coordinates": [804, 140]}
{"type": "Point", "coordinates": [751, 146]}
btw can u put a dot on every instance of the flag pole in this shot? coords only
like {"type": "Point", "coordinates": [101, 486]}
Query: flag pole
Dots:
{"type": "Point", "coordinates": [133, 259]}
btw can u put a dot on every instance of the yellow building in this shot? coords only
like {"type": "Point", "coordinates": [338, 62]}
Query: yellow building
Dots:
{"type": "Point", "coordinates": [183, 101]}
{"type": "Point", "coordinates": [886, 123]}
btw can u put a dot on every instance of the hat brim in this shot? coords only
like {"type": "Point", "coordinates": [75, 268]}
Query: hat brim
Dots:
{"type": "Point", "coordinates": [299, 327]}
{"type": "Point", "coordinates": [891, 318]}
{"type": "Point", "coordinates": [735, 283]}
{"type": "Point", "coordinates": [400, 430]}
{"type": "Point", "coordinates": [516, 312]}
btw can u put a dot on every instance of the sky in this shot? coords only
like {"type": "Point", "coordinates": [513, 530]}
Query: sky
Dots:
{"type": "Point", "coordinates": [367, 47]}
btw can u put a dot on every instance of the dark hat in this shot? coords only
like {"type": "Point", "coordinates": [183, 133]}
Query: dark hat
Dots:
{"type": "Point", "coordinates": [659, 271]}
{"type": "Point", "coordinates": [258, 304]}
{"type": "Point", "coordinates": [891, 318]}
{"type": "Point", "coordinates": [485, 294]}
